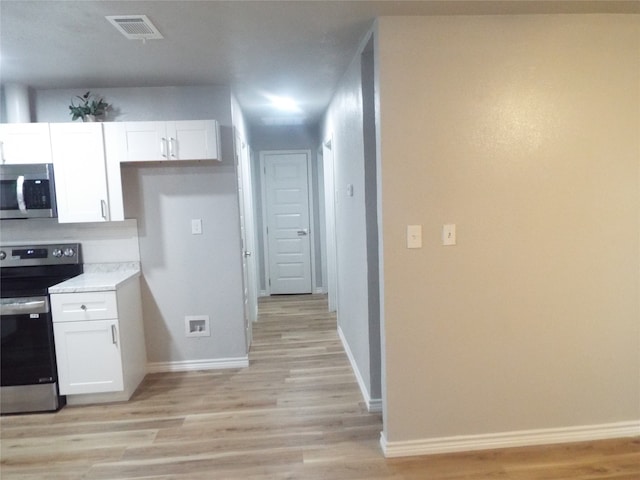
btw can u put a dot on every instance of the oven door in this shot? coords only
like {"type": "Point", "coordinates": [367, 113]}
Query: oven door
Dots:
{"type": "Point", "coordinates": [27, 351]}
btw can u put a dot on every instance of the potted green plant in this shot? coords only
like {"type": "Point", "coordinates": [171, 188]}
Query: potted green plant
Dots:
{"type": "Point", "coordinates": [89, 108]}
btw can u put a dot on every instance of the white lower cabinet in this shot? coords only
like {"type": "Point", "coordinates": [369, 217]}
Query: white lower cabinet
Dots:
{"type": "Point", "coordinates": [90, 360]}
{"type": "Point", "coordinates": [99, 340]}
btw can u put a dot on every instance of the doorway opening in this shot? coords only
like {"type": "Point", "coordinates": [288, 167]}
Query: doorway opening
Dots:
{"type": "Point", "coordinates": [287, 219]}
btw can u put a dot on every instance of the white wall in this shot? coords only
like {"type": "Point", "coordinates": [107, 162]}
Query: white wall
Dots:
{"type": "Point", "coordinates": [183, 274]}
{"type": "Point", "coordinates": [344, 123]}
{"type": "Point", "coordinates": [523, 131]}
{"type": "Point", "coordinates": [141, 103]}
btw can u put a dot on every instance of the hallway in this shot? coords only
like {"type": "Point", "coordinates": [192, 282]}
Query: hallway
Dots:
{"type": "Point", "coordinates": [296, 412]}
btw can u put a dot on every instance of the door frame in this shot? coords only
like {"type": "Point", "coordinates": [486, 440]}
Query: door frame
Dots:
{"type": "Point", "coordinates": [311, 204]}
{"type": "Point", "coordinates": [331, 241]}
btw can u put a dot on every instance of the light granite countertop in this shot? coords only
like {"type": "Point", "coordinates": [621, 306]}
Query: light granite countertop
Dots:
{"type": "Point", "coordinates": [99, 277]}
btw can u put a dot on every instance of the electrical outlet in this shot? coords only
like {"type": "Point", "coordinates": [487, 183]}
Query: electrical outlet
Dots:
{"type": "Point", "coordinates": [196, 226]}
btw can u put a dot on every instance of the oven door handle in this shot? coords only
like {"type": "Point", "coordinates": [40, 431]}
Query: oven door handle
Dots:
{"type": "Point", "coordinates": [20, 194]}
{"type": "Point", "coordinates": [24, 306]}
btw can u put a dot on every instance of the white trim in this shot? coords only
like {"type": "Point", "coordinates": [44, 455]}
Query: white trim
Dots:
{"type": "Point", "coordinates": [319, 290]}
{"type": "Point", "coordinates": [191, 365]}
{"type": "Point", "coordinates": [322, 220]}
{"type": "Point", "coordinates": [263, 293]}
{"type": "Point", "coordinates": [312, 220]}
{"type": "Point", "coordinates": [520, 438]}
{"type": "Point", "coordinates": [331, 239]}
{"type": "Point", "coordinates": [265, 238]}
{"type": "Point", "coordinates": [374, 405]}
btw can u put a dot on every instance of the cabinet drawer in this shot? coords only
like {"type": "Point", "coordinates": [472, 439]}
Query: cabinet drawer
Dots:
{"type": "Point", "coordinates": [73, 307]}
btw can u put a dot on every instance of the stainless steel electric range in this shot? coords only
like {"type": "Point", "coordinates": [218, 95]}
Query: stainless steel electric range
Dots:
{"type": "Point", "coordinates": [29, 379]}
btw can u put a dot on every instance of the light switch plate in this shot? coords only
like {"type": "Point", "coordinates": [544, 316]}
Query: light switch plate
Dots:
{"type": "Point", "coordinates": [414, 236]}
{"type": "Point", "coordinates": [196, 226]}
{"type": "Point", "coordinates": [449, 234]}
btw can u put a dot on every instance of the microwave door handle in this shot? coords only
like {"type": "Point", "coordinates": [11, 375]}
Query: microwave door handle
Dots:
{"type": "Point", "coordinates": [20, 194]}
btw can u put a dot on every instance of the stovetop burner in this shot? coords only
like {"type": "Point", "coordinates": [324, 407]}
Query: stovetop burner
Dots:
{"type": "Point", "coordinates": [27, 270]}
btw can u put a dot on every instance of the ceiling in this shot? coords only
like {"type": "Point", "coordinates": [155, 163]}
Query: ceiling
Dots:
{"type": "Point", "coordinates": [298, 48]}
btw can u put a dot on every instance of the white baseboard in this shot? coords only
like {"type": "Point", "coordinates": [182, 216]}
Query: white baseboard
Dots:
{"type": "Point", "coordinates": [374, 405]}
{"type": "Point", "coordinates": [316, 290]}
{"type": "Point", "coordinates": [509, 439]}
{"type": "Point", "coordinates": [192, 365]}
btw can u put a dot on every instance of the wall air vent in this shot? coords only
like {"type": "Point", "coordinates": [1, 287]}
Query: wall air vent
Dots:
{"type": "Point", "coordinates": [135, 27]}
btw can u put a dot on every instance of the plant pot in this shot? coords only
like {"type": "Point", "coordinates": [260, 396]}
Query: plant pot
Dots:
{"type": "Point", "coordinates": [89, 118]}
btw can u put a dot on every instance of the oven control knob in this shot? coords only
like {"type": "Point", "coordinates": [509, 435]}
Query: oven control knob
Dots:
{"type": "Point", "coordinates": [2, 255]}
{"type": "Point", "coordinates": [56, 252]}
{"type": "Point", "coordinates": [69, 252]}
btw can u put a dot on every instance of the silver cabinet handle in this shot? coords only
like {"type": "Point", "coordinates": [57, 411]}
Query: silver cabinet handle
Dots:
{"type": "Point", "coordinates": [246, 254]}
{"type": "Point", "coordinates": [103, 208]}
{"type": "Point", "coordinates": [20, 194]}
{"type": "Point", "coordinates": [303, 232]}
{"type": "Point", "coordinates": [172, 147]}
{"type": "Point", "coordinates": [163, 147]}
{"type": "Point", "coordinates": [114, 335]}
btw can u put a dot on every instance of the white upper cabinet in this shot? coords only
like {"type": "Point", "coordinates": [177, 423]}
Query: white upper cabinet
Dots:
{"type": "Point", "coordinates": [194, 140]}
{"type": "Point", "coordinates": [165, 141]}
{"type": "Point", "coordinates": [144, 141]}
{"type": "Point", "coordinates": [80, 172]}
{"type": "Point", "coordinates": [25, 143]}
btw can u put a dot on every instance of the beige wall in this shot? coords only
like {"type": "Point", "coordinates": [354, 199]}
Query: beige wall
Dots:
{"type": "Point", "coordinates": [522, 130]}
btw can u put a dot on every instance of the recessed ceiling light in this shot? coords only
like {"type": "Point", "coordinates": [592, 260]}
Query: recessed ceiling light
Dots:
{"type": "Point", "coordinates": [286, 104]}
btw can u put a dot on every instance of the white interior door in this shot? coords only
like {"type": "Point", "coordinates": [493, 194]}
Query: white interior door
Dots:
{"type": "Point", "coordinates": [249, 240]}
{"type": "Point", "coordinates": [247, 229]}
{"type": "Point", "coordinates": [286, 189]}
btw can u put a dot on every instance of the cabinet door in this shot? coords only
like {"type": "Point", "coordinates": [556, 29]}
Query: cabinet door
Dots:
{"type": "Point", "coordinates": [193, 140]}
{"type": "Point", "coordinates": [114, 153]}
{"type": "Point", "coordinates": [145, 141]}
{"type": "Point", "coordinates": [25, 143]}
{"type": "Point", "coordinates": [88, 357]}
{"type": "Point", "coordinates": [79, 169]}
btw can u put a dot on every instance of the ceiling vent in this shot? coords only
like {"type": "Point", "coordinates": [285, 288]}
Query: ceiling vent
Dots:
{"type": "Point", "coordinates": [135, 27]}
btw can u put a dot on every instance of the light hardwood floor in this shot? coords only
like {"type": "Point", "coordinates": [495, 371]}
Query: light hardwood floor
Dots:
{"type": "Point", "coordinates": [295, 413]}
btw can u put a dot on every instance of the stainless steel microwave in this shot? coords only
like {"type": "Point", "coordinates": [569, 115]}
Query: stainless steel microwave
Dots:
{"type": "Point", "coordinates": [27, 191]}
